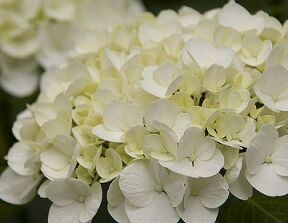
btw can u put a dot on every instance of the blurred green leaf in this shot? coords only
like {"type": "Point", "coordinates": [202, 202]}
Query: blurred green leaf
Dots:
{"type": "Point", "coordinates": [6, 208]}
{"type": "Point", "coordinates": [258, 209]}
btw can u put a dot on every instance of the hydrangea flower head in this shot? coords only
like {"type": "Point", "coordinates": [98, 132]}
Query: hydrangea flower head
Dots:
{"type": "Point", "coordinates": [175, 111]}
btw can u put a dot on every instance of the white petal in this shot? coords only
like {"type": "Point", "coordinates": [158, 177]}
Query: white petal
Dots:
{"type": "Point", "coordinates": [280, 157]}
{"type": "Point", "coordinates": [55, 127]}
{"type": "Point", "coordinates": [182, 123]}
{"type": "Point", "coordinates": [169, 141]}
{"type": "Point", "coordinates": [163, 111]}
{"type": "Point", "coordinates": [214, 191]}
{"type": "Point", "coordinates": [44, 112]}
{"type": "Point", "coordinates": [19, 123]}
{"type": "Point", "coordinates": [63, 10]}
{"type": "Point", "coordinates": [42, 189]}
{"type": "Point", "coordinates": [265, 99]}
{"type": "Point", "coordinates": [189, 142]}
{"type": "Point", "coordinates": [137, 184]}
{"type": "Point", "coordinates": [175, 188]}
{"type": "Point", "coordinates": [159, 210]}
{"type": "Point", "coordinates": [237, 100]}
{"type": "Point", "coordinates": [268, 182]}
{"type": "Point", "coordinates": [214, 78]}
{"type": "Point", "coordinates": [206, 55]}
{"type": "Point", "coordinates": [58, 39]}
{"type": "Point", "coordinates": [29, 9]}
{"type": "Point", "coordinates": [20, 84]}
{"type": "Point", "coordinates": [195, 212]}
{"type": "Point", "coordinates": [161, 156]}
{"type": "Point", "coordinates": [248, 132]}
{"type": "Point", "coordinates": [159, 174]}
{"type": "Point", "coordinates": [275, 55]}
{"type": "Point", "coordinates": [148, 71]}
{"type": "Point", "coordinates": [183, 166]}
{"type": "Point", "coordinates": [54, 159]}
{"type": "Point", "coordinates": [58, 214]}
{"type": "Point", "coordinates": [261, 146]}
{"type": "Point", "coordinates": [241, 188]}
{"type": "Point", "coordinates": [208, 168]}
{"type": "Point", "coordinates": [230, 156]}
{"type": "Point", "coordinates": [64, 192]}
{"type": "Point", "coordinates": [237, 17]}
{"type": "Point", "coordinates": [53, 174]}
{"type": "Point", "coordinates": [116, 60]}
{"type": "Point", "coordinates": [23, 45]}
{"type": "Point", "coordinates": [114, 194]}
{"type": "Point", "coordinates": [152, 146]}
{"type": "Point", "coordinates": [205, 149]}
{"type": "Point", "coordinates": [103, 133]}
{"type": "Point", "coordinates": [234, 15]}
{"type": "Point", "coordinates": [198, 50]}
{"type": "Point", "coordinates": [232, 143]}
{"type": "Point", "coordinates": [65, 144]}
{"type": "Point", "coordinates": [23, 159]}
{"type": "Point", "coordinates": [19, 76]}
{"type": "Point", "coordinates": [233, 173]}
{"type": "Point", "coordinates": [174, 86]}
{"type": "Point", "coordinates": [135, 135]}
{"type": "Point", "coordinates": [266, 49]}
{"type": "Point", "coordinates": [276, 76]}
{"type": "Point", "coordinates": [116, 202]}
{"type": "Point", "coordinates": [281, 105]}
{"type": "Point", "coordinates": [92, 202]}
{"type": "Point", "coordinates": [153, 88]}
{"type": "Point", "coordinates": [17, 189]}
{"type": "Point", "coordinates": [118, 213]}
{"type": "Point", "coordinates": [119, 115]}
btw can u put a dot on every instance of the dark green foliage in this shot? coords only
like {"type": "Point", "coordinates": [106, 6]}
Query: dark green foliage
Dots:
{"type": "Point", "coordinates": [258, 209]}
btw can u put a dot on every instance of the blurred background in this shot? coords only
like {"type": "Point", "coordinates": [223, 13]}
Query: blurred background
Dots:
{"type": "Point", "coordinates": [36, 211]}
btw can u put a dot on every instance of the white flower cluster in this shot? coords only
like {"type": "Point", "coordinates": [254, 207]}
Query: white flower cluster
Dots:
{"type": "Point", "coordinates": [45, 32]}
{"type": "Point", "coordinates": [179, 110]}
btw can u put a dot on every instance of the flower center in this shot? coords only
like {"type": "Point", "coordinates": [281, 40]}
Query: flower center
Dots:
{"type": "Point", "coordinates": [159, 188]}
{"type": "Point", "coordinates": [268, 159]}
{"type": "Point", "coordinates": [81, 199]}
{"type": "Point", "coordinates": [193, 157]}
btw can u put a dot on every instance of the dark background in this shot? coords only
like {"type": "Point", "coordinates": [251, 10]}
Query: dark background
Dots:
{"type": "Point", "coordinates": [36, 211]}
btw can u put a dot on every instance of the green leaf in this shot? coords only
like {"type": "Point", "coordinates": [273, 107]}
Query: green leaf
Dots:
{"type": "Point", "coordinates": [258, 209]}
